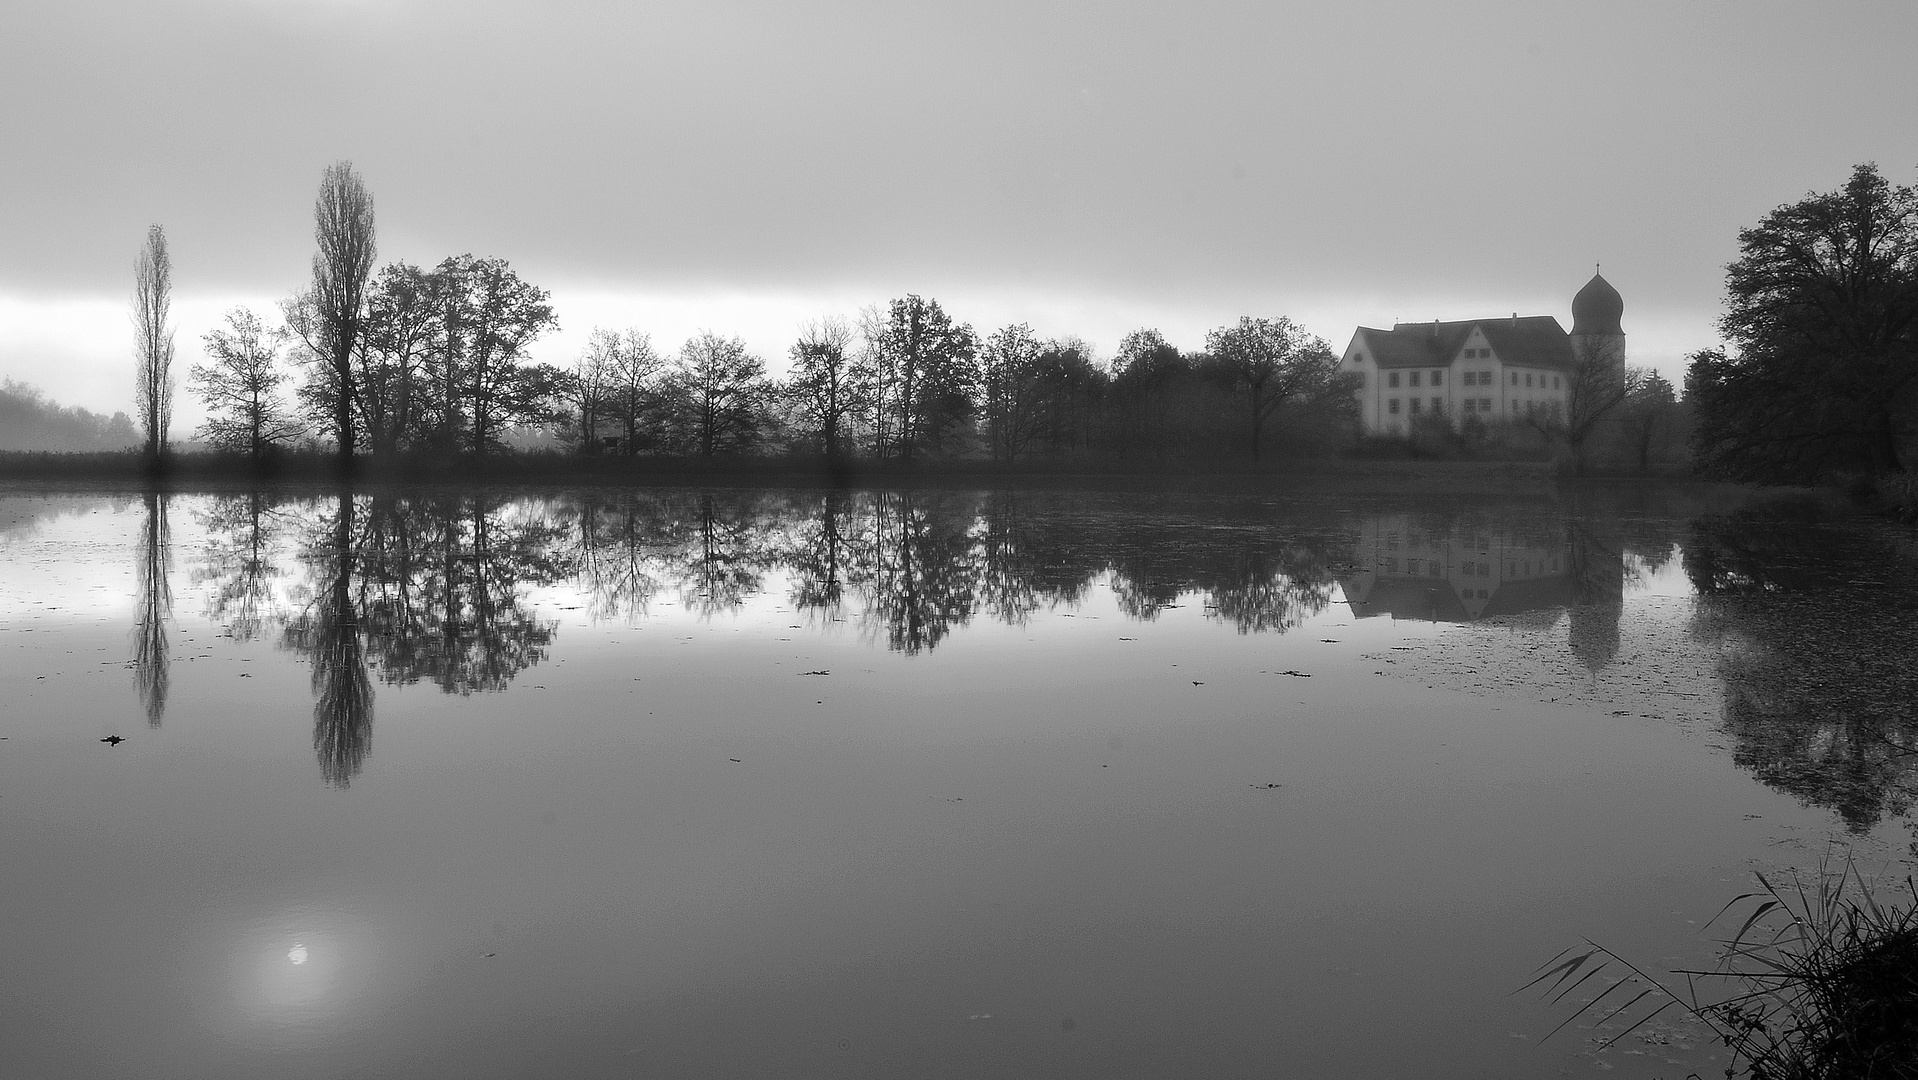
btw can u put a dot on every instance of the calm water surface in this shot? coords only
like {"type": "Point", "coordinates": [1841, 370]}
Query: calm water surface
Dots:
{"type": "Point", "coordinates": [911, 784]}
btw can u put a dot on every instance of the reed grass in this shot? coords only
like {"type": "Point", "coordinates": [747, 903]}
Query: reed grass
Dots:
{"type": "Point", "coordinates": [1820, 981]}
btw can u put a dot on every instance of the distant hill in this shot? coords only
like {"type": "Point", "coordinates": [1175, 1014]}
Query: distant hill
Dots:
{"type": "Point", "coordinates": [29, 421]}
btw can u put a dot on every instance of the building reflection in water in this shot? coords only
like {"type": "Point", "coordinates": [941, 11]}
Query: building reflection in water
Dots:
{"type": "Point", "coordinates": [1440, 570]}
{"type": "Point", "coordinates": [1461, 569]}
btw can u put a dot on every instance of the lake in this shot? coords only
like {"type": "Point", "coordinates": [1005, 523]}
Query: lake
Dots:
{"type": "Point", "coordinates": [914, 783]}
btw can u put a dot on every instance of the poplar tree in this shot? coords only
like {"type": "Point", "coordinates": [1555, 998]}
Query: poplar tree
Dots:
{"type": "Point", "coordinates": [153, 340]}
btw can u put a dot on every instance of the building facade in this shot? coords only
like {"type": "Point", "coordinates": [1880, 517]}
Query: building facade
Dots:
{"type": "Point", "coordinates": [1510, 370]}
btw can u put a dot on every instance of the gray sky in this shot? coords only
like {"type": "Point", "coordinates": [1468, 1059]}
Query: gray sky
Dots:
{"type": "Point", "coordinates": [1090, 168]}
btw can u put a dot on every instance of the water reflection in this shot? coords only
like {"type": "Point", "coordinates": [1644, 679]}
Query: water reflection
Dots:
{"type": "Point", "coordinates": [1455, 569]}
{"type": "Point", "coordinates": [239, 561]}
{"type": "Point", "coordinates": [1596, 564]}
{"type": "Point", "coordinates": [1812, 621]}
{"type": "Point", "coordinates": [153, 607]}
{"type": "Point", "coordinates": [1816, 626]}
{"type": "Point", "coordinates": [328, 634]}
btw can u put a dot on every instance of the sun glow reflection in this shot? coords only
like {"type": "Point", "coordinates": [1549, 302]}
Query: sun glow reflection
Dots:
{"type": "Point", "coordinates": [297, 953]}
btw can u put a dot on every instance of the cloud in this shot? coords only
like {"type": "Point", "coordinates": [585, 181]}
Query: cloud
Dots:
{"type": "Point", "coordinates": [1205, 158]}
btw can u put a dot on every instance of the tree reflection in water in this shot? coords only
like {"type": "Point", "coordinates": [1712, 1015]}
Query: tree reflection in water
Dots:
{"type": "Point", "coordinates": [1816, 626]}
{"type": "Point", "coordinates": [409, 590]}
{"type": "Point", "coordinates": [919, 567]}
{"type": "Point", "coordinates": [818, 552]}
{"type": "Point", "coordinates": [327, 633]}
{"type": "Point", "coordinates": [153, 607]}
{"type": "Point", "coordinates": [1597, 565]}
{"type": "Point", "coordinates": [435, 588]}
{"type": "Point", "coordinates": [242, 535]}
{"type": "Point", "coordinates": [723, 554]}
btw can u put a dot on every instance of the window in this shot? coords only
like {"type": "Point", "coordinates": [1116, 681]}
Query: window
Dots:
{"type": "Point", "coordinates": [1438, 378]}
{"type": "Point", "coordinates": [1433, 569]}
{"type": "Point", "coordinates": [1358, 358]}
{"type": "Point", "coordinates": [1415, 378]}
{"type": "Point", "coordinates": [1392, 406]}
{"type": "Point", "coordinates": [1392, 380]}
{"type": "Point", "coordinates": [1470, 377]}
{"type": "Point", "coordinates": [1554, 382]}
{"type": "Point", "coordinates": [1415, 406]}
{"type": "Point", "coordinates": [1485, 378]}
{"type": "Point", "coordinates": [1411, 566]}
{"type": "Point", "coordinates": [1528, 378]}
{"type": "Point", "coordinates": [1514, 378]}
{"type": "Point", "coordinates": [1514, 406]}
{"type": "Point", "coordinates": [1468, 568]}
{"type": "Point", "coordinates": [1471, 404]}
{"type": "Point", "coordinates": [1438, 405]}
{"type": "Point", "coordinates": [1484, 404]}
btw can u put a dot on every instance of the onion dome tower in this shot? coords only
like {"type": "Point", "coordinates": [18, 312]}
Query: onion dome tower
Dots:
{"type": "Point", "coordinates": [1595, 328]}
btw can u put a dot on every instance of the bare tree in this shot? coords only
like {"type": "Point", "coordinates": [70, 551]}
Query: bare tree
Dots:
{"type": "Point", "coordinates": [1595, 385]}
{"type": "Point", "coordinates": [241, 387]}
{"type": "Point", "coordinates": [490, 315]}
{"type": "Point", "coordinates": [931, 373]}
{"type": "Point", "coordinates": [822, 383]}
{"type": "Point", "coordinates": [722, 388]}
{"type": "Point", "coordinates": [1009, 362]}
{"type": "Point", "coordinates": [632, 375]}
{"type": "Point", "coordinates": [343, 227]}
{"type": "Point", "coordinates": [395, 347]}
{"type": "Point", "coordinates": [585, 387]}
{"type": "Point", "coordinates": [153, 339]}
{"type": "Point", "coordinates": [1273, 361]}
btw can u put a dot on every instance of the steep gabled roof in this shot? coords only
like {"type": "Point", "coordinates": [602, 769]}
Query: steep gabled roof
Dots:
{"type": "Point", "coordinates": [1532, 341]}
{"type": "Point", "coordinates": [1535, 594]}
{"type": "Point", "coordinates": [1405, 597]}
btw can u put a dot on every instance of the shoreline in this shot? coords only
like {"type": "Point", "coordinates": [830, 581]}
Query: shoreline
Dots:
{"type": "Point", "coordinates": [1369, 475]}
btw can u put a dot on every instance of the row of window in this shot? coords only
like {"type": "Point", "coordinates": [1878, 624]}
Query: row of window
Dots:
{"type": "Point", "coordinates": [1469, 568]}
{"type": "Point", "coordinates": [1484, 404]}
{"type": "Point", "coordinates": [1470, 378]}
{"type": "Point", "coordinates": [1432, 566]}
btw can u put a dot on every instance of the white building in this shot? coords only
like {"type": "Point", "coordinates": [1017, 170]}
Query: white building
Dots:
{"type": "Point", "coordinates": [1493, 369]}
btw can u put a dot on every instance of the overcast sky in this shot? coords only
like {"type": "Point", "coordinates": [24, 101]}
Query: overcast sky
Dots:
{"type": "Point", "coordinates": [1089, 168]}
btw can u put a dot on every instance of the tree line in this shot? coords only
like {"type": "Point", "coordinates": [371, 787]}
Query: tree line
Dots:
{"type": "Point", "coordinates": [405, 359]}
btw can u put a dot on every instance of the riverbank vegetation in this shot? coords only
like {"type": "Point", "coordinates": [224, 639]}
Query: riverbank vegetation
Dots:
{"type": "Point", "coordinates": [1820, 982]}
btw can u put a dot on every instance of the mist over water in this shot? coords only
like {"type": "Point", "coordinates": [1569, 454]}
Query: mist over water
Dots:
{"type": "Point", "coordinates": [863, 783]}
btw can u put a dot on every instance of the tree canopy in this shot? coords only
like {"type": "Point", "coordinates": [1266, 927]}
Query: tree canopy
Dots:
{"type": "Point", "coordinates": [1822, 314]}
